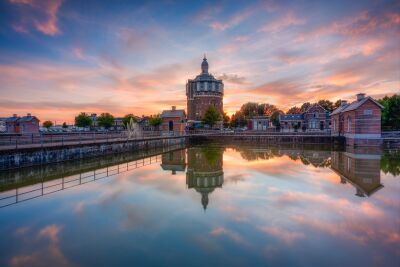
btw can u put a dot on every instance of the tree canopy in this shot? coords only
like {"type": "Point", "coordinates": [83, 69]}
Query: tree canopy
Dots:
{"type": "Point", "coordinates": [83, 120]}
{"type": "Point", "coordinates": [390, 112]}
{"type": "Point", "coordinates": [211, 116]}
{"type": "Point", "coordinates": [105, 120]}
{"type": "Point", "coordinates": [294, 110]}
{"type": "Point", "coordinates": [251, 109]}
{"type": "Point", "coordinates": [47, 124]}
{"type": "Point", "coordinates": [155, 120]}
{"type": "Point", "coordinates": [127, 118]}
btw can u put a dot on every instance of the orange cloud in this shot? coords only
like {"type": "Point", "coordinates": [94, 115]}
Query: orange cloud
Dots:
{"type": "Point", "coordinates": [343, 78]}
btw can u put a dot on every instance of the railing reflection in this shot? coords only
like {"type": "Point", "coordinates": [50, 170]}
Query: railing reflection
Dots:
{"type": "Point", "coordinates": [25, 193]}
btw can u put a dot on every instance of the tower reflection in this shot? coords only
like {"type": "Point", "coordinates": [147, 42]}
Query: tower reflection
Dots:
{"type": "Point", "coordinates": [360, 168]}
{"type": "Point", "coordinates": [204, 172]}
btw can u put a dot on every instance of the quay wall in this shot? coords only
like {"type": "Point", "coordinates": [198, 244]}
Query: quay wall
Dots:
{"type": "Point", "coordinates": [24, 157]}
{"type": "Point", "coordinates": [335, 141]}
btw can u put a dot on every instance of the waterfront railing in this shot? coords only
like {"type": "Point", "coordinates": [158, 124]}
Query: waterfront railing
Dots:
{"type": "Point", "coordinates": [42, 188]}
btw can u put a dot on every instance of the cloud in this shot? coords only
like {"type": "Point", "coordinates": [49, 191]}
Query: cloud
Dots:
{"type": "Point", "coordinates": [42, 14]}
{"type": "Point", "coordinates": [232, 78]}
{"type": "Point", "coordinates": [51, 255]}
{"type": "Point", "coordinates": [221, 231]}
{"type": "Point", "coordinates": [286, 237]}
{"type": "Point", "coordinates": [233, 21]}
{"type": "Point", "coordinates": [287, 20]}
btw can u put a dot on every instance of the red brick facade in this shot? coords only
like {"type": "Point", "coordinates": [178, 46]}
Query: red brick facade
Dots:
{"type": "Point", "coordinates": [359, 122]}
{"type": "Point", "coordinates": [202, 92]}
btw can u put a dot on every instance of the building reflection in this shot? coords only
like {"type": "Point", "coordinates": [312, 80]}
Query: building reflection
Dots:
{"type": "Point", "coordinates": [204, 168]}
{"type": "Point", "coordinates": [204, 172]}
{"type": "Point", "coordinates": [360, 168]}
{"type": "Point", "coordinates": [174, 161]}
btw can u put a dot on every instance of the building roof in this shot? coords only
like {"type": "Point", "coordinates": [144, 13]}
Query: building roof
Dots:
{"type": "Point", "coordinates": [28, 118]}
{"type": "Point", "coordinates": [173, 113]}
{"type": "Point", "coordinates": [289, 117]}
{"type": "Point", "coordinates": [12, 119]}
{"type": "Point", "coordinates": [260, 118]}
{"type": "Point", "coordinates": [355, 105]}
{"type": "Point", "coordinates": [313, 105]}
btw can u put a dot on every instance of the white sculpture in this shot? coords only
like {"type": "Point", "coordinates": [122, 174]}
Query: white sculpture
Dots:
{"type": "Point", "coordinates": [133, 130]}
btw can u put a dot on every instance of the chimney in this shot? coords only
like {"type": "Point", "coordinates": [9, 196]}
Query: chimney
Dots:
{"type": "Point", "coordinates": [173, 108]}
{"type": "Point", "coordinates": [360, 96]}
{"type": "Point", "coordinates": [28, 114]}
{"type": "Point", "coordinates": [343, 102]}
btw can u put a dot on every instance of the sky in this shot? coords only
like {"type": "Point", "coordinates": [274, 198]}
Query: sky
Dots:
{"type": "Point", "coordinates": [62, 57]}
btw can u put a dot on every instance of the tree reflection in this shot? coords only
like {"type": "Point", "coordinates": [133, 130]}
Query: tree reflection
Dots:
{"type": "Point", "coordinates": [390, 162]}
{"type": "Point", "coordinates": [204, 172]}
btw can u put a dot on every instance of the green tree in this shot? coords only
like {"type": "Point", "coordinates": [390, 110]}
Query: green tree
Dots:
{"type": "Point", "coordinates": [155, 121]}
{"type": "Point", "coordinates": [326, 104]}
{"type": "Point", "coordinates": [390, 112]}
{"type": "Point", "coordinates": [294, 110]}
{"type": "Point", "coordinates": [105, 120]}
{"type": "Point", "coordinates": [275, 118]}
{"type": "Point", "coordinates": [47, 124]}
{"type": "Point", "coordinates": [127, 118]}
{"type": "Point", "coordinates": [251, 109]}
{"type": "Point", "coordinates": [226, 120]}
{"type": "Point", "coordinates": [211, 116]}
{"type": "Point", "coordinates": [64, 125]}
{"type": "Point", "coordinates": [83, 120]}
{"type": "Point", "coordinates": [305, 106]}
{"type": "Point", "coordinates": [337, 104]}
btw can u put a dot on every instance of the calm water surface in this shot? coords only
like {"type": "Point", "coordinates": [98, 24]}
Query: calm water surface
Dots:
{"type": "Point", "coordinates": [208, 206]}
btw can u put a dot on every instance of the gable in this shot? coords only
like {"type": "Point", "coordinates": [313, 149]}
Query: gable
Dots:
{"type": "Point", "coordinates": [316, 108]}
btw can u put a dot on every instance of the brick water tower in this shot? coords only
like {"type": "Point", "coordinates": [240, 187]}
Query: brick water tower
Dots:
{"type": "Point", "coordinates": [202, 92]}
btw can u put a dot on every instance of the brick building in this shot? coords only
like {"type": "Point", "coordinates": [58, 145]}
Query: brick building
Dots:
{"type": "Point", "coordinates": [359, 121]}
{"type": "Point", "coordinates": [258, 123]}
{"type": "Point", "coordinates": [202, 92]}
{"type": "Point", "coordinates": [314, 119]}
{"type": "Point", "coordinates": [22, 125]}
{"type": "Point", "coordinates": [173, 120]}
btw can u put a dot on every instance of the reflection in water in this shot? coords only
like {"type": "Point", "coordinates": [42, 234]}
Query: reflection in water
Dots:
{"type": "Point", "coordinates": [204, 172]}
{"type": "Point", "coordinates": [174, 161]}
{"type": "Point", "coordinates": [359, 168]}
{"type": "Point", "coordinates": [277, 205]}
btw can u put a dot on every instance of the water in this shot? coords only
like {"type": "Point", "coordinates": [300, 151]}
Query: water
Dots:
{"type": "Point", "coordinates": [209, 205]}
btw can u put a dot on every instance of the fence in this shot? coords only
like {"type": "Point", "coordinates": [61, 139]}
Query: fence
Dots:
{"type": "Point", "coordinates": [40, 139]}
{"type": "Point", "coordinates": [43, 188]}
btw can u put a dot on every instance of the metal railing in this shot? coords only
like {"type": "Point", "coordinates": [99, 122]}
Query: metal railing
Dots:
{"type": "Point", "coordinates": [43, 188]}
{"type": "Point", "coordinates": [15, 141]}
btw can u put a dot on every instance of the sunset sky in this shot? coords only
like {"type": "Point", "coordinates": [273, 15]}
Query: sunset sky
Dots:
{"type": "Point", "coordinates": [61, 57]}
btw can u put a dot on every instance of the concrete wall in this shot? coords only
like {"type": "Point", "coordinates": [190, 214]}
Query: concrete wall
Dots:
{"type": "Point", "coordinates": [38, 156]}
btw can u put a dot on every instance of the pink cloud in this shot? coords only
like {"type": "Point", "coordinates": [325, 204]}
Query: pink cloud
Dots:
{"type": "Point", "coordinates": [233, 21]}
{"type": "Point", "coordinates": [51, 232]}
{"type": "Point", "coordinates": [46, 23]}
{"type": "Point", "coordinates": [286, 237]}
{"type": "Point", "coordinates": [287, 20]}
